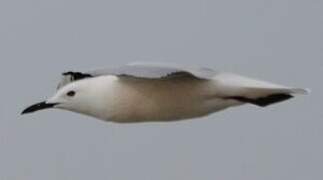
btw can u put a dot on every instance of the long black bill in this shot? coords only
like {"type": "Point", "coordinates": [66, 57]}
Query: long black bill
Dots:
{"type": "Point", "coordinates": [38, 106]}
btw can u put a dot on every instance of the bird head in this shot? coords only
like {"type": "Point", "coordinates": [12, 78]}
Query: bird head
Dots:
{"type": "Point", "coordinates": [75, 96]}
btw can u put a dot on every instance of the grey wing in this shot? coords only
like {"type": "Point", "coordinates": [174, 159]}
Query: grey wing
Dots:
{"type": "Point", "coordinates": [156, 71]}
{"type": "Point", "coordinates": [142, 70]}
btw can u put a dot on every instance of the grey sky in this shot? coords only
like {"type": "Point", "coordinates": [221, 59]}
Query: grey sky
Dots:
{"type": "Point", "coordinates": [275, 40]}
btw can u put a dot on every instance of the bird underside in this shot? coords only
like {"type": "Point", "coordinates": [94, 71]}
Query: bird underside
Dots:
{"type": "Point", "coordinates": [262, 101]}
{"type": "Point", "coordinates": [172, 94]}
{"type": "Point", "coordinates": [148, 92]}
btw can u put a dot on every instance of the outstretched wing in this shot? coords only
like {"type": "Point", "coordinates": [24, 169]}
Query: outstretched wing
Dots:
{"type": "Point", "coordinates": [142, 70]}
{"type": "Point", "coordinates": [155, 71]}
{"type": "Point", "coordinates": [261, 93]}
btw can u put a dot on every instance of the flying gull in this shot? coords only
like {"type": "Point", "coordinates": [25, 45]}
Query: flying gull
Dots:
{"type": "Point", "coordinates": [155, 92]}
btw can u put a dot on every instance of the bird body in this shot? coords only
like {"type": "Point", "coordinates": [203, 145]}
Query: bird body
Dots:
{"type": "Point", "coordinates": [142, 93]}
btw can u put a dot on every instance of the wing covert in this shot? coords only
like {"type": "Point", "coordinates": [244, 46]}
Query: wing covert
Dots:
{"type": "Point", "coordinates": [142, 70]}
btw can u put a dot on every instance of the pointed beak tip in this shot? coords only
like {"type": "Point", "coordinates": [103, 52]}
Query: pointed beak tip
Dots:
{"type": "Point", "coordinates": [23, 112]}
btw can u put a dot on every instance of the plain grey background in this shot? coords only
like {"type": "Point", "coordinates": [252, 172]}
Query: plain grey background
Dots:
{"type": "Point", "coordinates": [275, 40]}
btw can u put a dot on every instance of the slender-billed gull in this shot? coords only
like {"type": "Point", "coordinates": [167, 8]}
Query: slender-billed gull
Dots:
{"type": "Point", "coordinates": [141, 92]}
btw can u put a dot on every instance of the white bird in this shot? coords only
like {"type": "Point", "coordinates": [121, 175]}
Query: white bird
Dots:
{"type": "Point", "coordinates": [142, 92]}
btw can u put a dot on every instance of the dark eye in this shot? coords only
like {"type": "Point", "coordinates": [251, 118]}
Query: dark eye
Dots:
{"type": "Point", "coordinates": [71, 93]}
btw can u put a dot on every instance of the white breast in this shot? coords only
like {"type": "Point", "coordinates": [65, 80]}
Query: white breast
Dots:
{"type": "Point", "coordinates": [138, 100]}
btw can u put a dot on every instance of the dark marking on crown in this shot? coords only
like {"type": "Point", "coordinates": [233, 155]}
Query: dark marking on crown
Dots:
{"type": "Point", "coordinates": [77, 75]}
{"type": "Point", "coordinates": [264, 101]}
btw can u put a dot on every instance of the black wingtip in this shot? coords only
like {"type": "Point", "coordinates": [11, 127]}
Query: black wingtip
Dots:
{"type": "Point", "coordinates": [264, 101]}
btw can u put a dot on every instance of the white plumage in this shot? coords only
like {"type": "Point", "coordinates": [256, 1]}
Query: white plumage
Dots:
{"type": "Point", "coordinates": [142, 92]}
